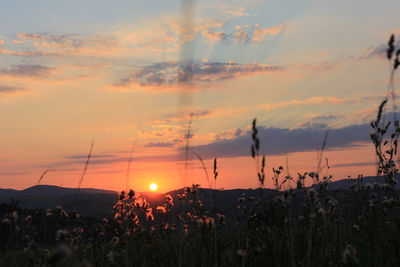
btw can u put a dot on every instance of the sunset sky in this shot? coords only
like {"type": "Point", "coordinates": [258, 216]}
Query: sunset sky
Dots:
{"type": "Point", "coordinates": [72, 71]}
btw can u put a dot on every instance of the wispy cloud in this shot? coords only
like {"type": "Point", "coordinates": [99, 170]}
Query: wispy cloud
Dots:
{"type": "Point", "coordinates": [308, 101]}
{"type": "Point", "coordinates": [323, 121]}
{"type": "Point", "coordinates": [252, 33]}
{"type": "Point", "coordinates": [172, 73]}
{"type": "Point", "coordinates": [10, 89]}
{"type": "Point", "coordinates": [60, 45]}
{"type": "Point", "coordinates": [38, 71]}
{"type": "Point", "coordinates": [234, 11]}
{"type": "Point", "coordinates": [379, 50]}
{"type": "Point", "coordinates": [160, 144]}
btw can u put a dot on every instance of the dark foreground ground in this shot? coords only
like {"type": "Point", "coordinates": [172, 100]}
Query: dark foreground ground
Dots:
{"type": "Point", "coordinates": [310, 226]}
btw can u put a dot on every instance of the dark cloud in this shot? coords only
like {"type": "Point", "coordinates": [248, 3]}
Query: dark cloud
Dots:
{"type": "Point", "coordinates": [275, 141]}
{"type": "Point", "coordinates": [12, 173]}
{"type": "Point", "coordinates": [160, 144]}
{"type": "Point", "coordinates": [320, 122]}
{"type": "Point", "coordinates": [381, 49]}
{"type": "Point", "coordinates": [99, 156]}
{"type": "Point", "coordinates": [252, 33]}
{"type": "Point", "coordinates": [9, 89]}
{"type": "Point", "coordinates": [172, 73]}
{"type": "Point", "coordinates": [27, 71]}
{"type": "Point", "coordinates": [61, 45]}
{"type": "Point", "coordinates": [351, 164]}
{"type": "Point", "coordinates": [47, 37]}
{"type": "Point", "coordinates": [197, 114]}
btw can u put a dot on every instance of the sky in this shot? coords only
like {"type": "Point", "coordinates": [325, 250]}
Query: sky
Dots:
{"type": "Point", "coordinates": [146, 79]}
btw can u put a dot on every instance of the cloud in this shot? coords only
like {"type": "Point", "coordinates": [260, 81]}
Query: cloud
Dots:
{"type": "Point", "coordinates": [172, 73]}
{"type": "Point", "coordinates": [196, 114]}
{"type": "Point", "coordinates": [1, 42]}
{"type": "Point", "coordinates": [98, 156]}
{"type": "Point", "coordinates": [260, 33]}
{"type": "Point", "coordinates": [380, 50]}
{"type": "Point", "coordinates": [241, 34]}
{"type": "Point", "coordinates": [321, 121]}
{"type": "Point", "coordinates": [234, 11]}
{"type": "Point", "coordinates": [59, 45]}
{"type": "Point", "coordinates": [37, 71]}
{"type": "Point", "coordinates": [10, 90]}
{"type": "Point", "coordinates": [215, 36]}
{"type": "Point", "coordinates": [318, 100]}
{"type": "Point", "coordinates": [160, 144]}
{"type": "Point", "coordinates": [228, 134]}
{"type": "Point", "coordinates": [275, 141]}
{"type": "Point", "coordinates": [352, 164]}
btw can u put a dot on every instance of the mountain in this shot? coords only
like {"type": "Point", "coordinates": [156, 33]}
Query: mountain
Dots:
{"type": "Point", "coordinates": [90, 202]}
{"type": "Point", "coordinates": [345, 183]}
{"type": "Point", "coordinates": [99, 203]}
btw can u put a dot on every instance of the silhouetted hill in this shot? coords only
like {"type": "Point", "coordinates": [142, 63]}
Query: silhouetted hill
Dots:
{"type": "Point", "coordinates": [91, 202]}
{"type": "Point", "coordinates": [98, 203]}
{"type": "Point", "coordinates": [345, 183]}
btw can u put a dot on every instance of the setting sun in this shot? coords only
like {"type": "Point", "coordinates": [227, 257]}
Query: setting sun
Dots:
{"type": "Point", "coordinates": [153, 187]}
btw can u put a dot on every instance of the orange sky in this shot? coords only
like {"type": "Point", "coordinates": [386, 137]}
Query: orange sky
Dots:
{"type": "Point", "coordinates": [139, 73]}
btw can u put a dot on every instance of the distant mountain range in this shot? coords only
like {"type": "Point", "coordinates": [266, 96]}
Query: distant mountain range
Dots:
{"type": "Point", "coordinates": [98, 203]}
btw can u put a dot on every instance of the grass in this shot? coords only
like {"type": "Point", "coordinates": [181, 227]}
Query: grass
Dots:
{"type": "Point", "coordinates": [301, 226]}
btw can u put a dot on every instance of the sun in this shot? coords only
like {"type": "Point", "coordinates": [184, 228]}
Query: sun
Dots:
{"type": "Point", "coordinates": [153, 187]}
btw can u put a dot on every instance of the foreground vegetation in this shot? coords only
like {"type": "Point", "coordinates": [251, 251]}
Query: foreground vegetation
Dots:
{"type": "Point", "coordinates": [303, 227]}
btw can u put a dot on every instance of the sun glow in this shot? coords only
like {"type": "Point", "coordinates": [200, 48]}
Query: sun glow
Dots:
{"type": "Point", "coordinates": [153, 187]}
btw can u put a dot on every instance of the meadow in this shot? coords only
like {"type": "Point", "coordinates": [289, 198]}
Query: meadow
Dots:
{"type": "Point", "coordinates": [308, 224]}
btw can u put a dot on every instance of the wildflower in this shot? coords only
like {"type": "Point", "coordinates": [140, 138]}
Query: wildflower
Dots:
{"type": "Point", "coordinates": [28, 218]}
{"type": "Point", "coordinates": [161, 209]}
{"type": "Point", "coordinates": [131, 194]}
{"type": "Point", "coordinates": [241, 252]}
{"type": "Point", "coordinates": [49, 213]}
{"type": "Point", "coordinates": [115, 240]}
{"type": "Point", "coordinates": [368, 186]}
{"type": "Point", "coordinates": [311, 193]}
{"type": "Point", "coordinates": [321, 212]}
{"type": "Point", "coordinates": [349, 255]}
{"type": "Point", "coordinates": [110, 257]}
{"type": "Point", "coordinates": [14, 215]}
{"type": "Point", "coordinates": [59, 254]}
{"type": "Point", "coordinates": [75, 214]}
{"type": "Point", "coordinates": [185, 229]}
{"type": "Point", "coordinates": [64, 214]}
{"type": "Point", "coordinates": [169, 200]}
{"type": "Point", "coordinates": [387, 201]}
{"type": "Point", "coordinates": [117, 216]}
{"type": "Point", "coordinates": [221, 218]}
{"type": "Point", "coordinates": [386, 186]}
{"type": "Point", "coordinates": [61, 235]}
{"type": "Point", "coordinates": [209, 221]}
{"type": "Point", "coordinates": [149, 216]}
